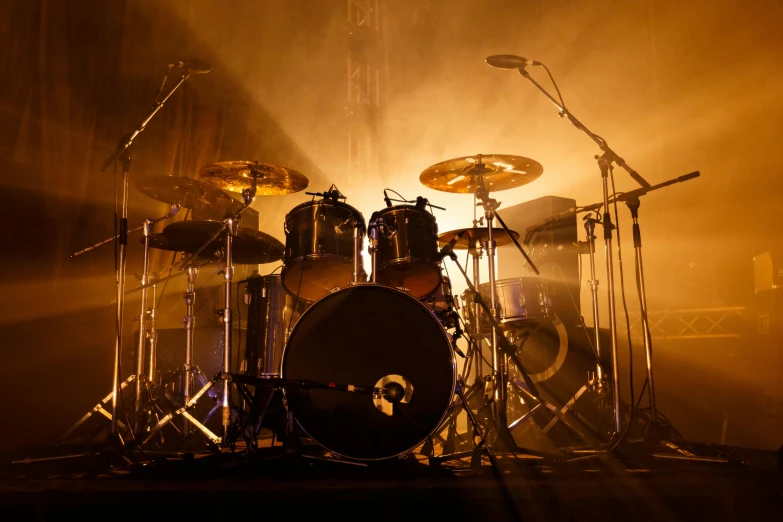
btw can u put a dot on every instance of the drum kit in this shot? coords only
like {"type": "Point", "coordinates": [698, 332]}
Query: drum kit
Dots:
{"type": "Point", "coordinates": [363, 365]}
{"type": "Point", "coordinates": [323, 320]}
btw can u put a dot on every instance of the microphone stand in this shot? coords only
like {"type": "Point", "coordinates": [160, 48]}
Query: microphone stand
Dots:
{"type": "Point", "coordinates": [605, 162]}
{"type": "Point", "coordinates": [122, 154]}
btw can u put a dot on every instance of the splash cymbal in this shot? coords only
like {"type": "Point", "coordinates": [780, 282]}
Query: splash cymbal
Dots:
{"type": "Point", "coordinates": [499, 172]}
{"type": "Point", "coordinates": [235, 176]}
{"type": "Point", "coordinates": [185, 192]}
{"type": "Point", "coordinates": [250, 246]}
{"type": "Point", "coordinates": [471, 235]}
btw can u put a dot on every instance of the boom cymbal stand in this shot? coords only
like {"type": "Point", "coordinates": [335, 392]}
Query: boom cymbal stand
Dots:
{"type": "Point", "coordinates": [230, 229]}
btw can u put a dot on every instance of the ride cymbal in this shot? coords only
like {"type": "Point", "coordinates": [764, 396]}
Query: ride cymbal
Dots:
{"type": "Point", "coordinates": [499, 172]}
{"type": "Point", "coordinates": [471, 235]}
{"type": "Point", "coordinates": [271, 180]}
{"type": "Point", "coordinates": [250, 246]}
{"type": "Point", "coordinates": [185, 192]}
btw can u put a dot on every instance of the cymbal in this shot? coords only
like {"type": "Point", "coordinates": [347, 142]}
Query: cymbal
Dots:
{"type": "Point", "coordinates": [500, 172]}
{"type": "Point", "coordinates": [235, 176]}
{"type": "Point", "coordinates": [250, 246]}
{"type": "Point", "coordinates": [186, 192]}
{"type": "Point", "coordinates": [471, 235]}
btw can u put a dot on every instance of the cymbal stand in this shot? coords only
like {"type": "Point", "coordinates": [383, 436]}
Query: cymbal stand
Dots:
{"type": "Point", "coordinates": [189, 320]}
{"type": "Point", "coordinates": [476, 253]}
{"type": "Point", "coordinates": [230, 228]}
{"type": "Point", "coordinates": [590, 223]}
{"type": "Point", "coordinates": [503, 441]}
{"type": "Point", "coordinates": [498, 359]}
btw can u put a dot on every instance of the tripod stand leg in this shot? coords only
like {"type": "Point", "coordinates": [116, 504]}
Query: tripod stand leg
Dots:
{"type": "Point", "coordinates": [182, 411]}
{"type": "Point", "coordinates": [99, 408]}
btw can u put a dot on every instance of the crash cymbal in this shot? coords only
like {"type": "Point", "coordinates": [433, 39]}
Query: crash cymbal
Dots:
{"type": "Point", "coordinates": [500, 172]}
{"type": "Point", "coordinates": [235, 176]}
{"type": "Point", "coordinates": [186, 192]}
{"type": "Point", "coordinates": [250, 246]}
{"type": "Point", "coordinates": [471, 235]}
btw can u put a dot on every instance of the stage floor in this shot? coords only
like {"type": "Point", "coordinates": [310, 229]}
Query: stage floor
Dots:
{"type": "Point", "coordinates": [227, 485]}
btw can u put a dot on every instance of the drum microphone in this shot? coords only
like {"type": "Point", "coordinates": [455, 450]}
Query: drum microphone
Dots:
{"type": "Point", "coordinates": [448, 249]}
{"type": "Point", "coordinates": [457, 332]}
{"type": "Point", "coordinates": [386, 199]}
{"type": "Point", "coordinates": [193, 66]}
{"type": "Point", "coordinates": [509, 61]}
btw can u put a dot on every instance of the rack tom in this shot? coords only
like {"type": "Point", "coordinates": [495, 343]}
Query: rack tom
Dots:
{"type": "Point", "coordinates": [407, 252]}
{"type": "Point", "coordinates": [319, 247]}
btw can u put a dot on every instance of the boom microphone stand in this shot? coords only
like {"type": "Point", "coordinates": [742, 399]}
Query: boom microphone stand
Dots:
{"type": "Point", "coordinates": [122, 154]}
{"type": "Point", "coordinates": [605, 162]}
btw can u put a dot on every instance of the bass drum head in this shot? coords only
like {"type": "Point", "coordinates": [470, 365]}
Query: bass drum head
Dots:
{"type": "Point", "coordinates": [358, 336]}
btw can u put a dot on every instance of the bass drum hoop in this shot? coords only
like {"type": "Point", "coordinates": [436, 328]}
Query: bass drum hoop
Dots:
{"type": "Point", "coordinates": [453, 362]}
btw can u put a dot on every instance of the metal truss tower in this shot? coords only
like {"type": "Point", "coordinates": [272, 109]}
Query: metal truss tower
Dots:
{"type": "Point", "coordinates": [364, 101]}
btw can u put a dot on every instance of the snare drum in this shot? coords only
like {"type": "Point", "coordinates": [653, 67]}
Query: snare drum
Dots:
{"type": "Point", "coordinates": [407, 253]}
{"type": "Point", "coordinates": [319, 247]}
{"type": "Point", "coordinates": [520, 300]}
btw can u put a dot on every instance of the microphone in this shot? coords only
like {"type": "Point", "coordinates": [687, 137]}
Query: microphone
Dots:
{"type": "Point", "coordinates": [509, 61]}
{"type": "Point", "coordinates": [193, 66]}
{"type": "Point", "coordinates": [421, 203]}
{"type": "Point", "coordinates": [448, 249]}
{"type": "Point", "coordinates": [386, 199]}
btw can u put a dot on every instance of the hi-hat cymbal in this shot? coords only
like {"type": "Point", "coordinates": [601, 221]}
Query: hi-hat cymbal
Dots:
{"type": "Point", "coordinates": [186, 192]}
{"type": "Point", "coordinates": [250, 246]}
{"type": "Point", "coordinates": [499, 171]}
{"type": "Point", "coordinates": [235, 176]}
{"type": "Point", "coordinates": [471, 235]}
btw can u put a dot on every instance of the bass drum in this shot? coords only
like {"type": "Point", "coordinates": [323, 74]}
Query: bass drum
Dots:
{"type": "Point", "coordinates": [368, 335]}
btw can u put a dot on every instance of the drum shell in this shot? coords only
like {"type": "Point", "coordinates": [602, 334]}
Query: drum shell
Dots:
{"type": "Point", "coordinates": [319, 247]}
{"type": "Point", "coordinates": [518, 299]}
{"type": "Point", "coordinates": [407, 254]}
{"type": "Point", "coordinates": [269, 314]}
{"type": "Point", "coordinates": [441, 301]}
{"type": "Point", "coordinates": [357, 335]}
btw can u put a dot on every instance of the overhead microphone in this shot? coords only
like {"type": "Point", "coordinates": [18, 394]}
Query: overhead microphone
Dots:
{"type": "Point", "coordinates": [509, 61]}
{"type": "Point", "coordinates": [193, 66]}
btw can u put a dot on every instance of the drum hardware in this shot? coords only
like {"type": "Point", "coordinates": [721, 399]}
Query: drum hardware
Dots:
{"type": "Point", "coordinates": [256, 247]}
{"type": "Point", "coordinates": [138, 378]}
{"type": "Point", "coordinates": [189, 319]}
{"type": "Point", "coordinates": [600, 381]}
{"type": "Point", "coordinates": [504, 348]}
{"type": "Point", "coordinates": [122, 154]}
{"type": "Point", "coordinates": [420, 202]}
{"type": "Point", "coordinates": [498, 357]}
